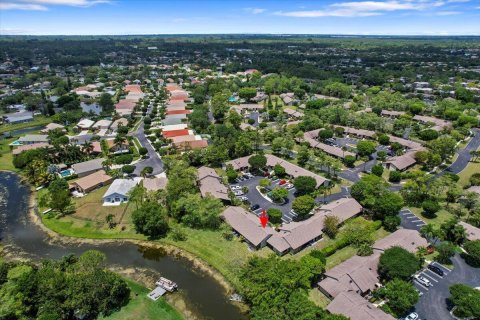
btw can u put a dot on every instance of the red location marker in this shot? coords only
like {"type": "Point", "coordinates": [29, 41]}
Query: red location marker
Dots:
{"type": "Point", "coordinates": [264, 219]}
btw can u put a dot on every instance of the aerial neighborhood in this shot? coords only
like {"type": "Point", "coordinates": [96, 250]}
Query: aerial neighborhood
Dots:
{"type": "Point", "coordinates": [362, 189]}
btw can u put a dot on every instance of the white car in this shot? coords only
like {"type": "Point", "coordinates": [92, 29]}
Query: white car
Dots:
{"type": "Point", "coordinates": [412, 316]}
{"type": "Point", "coordinates": [423, 280]}
{"type": "Point", "coordinates": [289, 186]}
{"type": "Point", "coordinates": [243, 198]}
{"type": "Point", "coordinates": [236, 188]}
{"type": "Point", "coordinates": [238, 192]}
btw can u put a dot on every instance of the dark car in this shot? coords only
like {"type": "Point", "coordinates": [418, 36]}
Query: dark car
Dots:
{"type": "Point", "coordinates": [435, 269]}
{"type": "Point", "coordinates": [254, 207]}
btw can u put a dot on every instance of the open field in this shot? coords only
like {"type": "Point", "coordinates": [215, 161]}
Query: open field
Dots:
{"type": "Point", "coordinates": [141, 307]}
{"type": "Point", "coordinates": [472, 167]}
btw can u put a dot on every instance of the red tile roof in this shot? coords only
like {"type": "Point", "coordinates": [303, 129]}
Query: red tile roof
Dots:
{"type": "Point", "coordinates": [178, 112]}
{"type": "Point", "coordinates": [175, 133]}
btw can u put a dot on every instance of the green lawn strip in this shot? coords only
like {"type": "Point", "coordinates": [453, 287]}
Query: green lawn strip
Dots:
{"type": "Point", "coordinates": [6, 156]}
{"type": "Point", "coordinates": [37, 121]}
{"type": "Point", "coordinates": [472, 167]}
{"type": "Point", "coordinates": [441, 216]}
{"type": "Point", "coordinates": [318, 298]}
{"type": "Point", "coordinates": [142, 307]}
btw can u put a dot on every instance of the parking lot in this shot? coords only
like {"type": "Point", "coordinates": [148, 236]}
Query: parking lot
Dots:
{"type": "Point", "coordinates": [408, 220]}
{"type": "Point", "coordinates": [433, 302]}
{"type": "Point", "coordinates": [254, 197]}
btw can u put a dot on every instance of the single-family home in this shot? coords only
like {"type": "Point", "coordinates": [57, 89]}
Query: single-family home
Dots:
{"type": "Point", "coordinates": [438, 124]}
{"type": "Point", "coordinates": [211, 184]}
{"type": "Point", "coordinates": [53, 126]}
{"type": "Point", "coordinates": [18, 117]}
{"type": "Point", "coordinates": [155, 183]}
{"type": "Point", "coordinates": [85, 124]}
{"type": "Point", "coordinates": [401, 163]}
{"type": "Point", "coordinates": [91, 182]}
{"type": "Point", "coordinates": [83, 169]}
{"type": "Point", "coordinates": [118, 191]}
{"type": "Point", "coordinates": [34, 138]}
{"type": "Point", "coordinates": [102, 124]}
{"type": "Point", "coordinates": [121, 122]}
{"type": "Point", "coordinates": [27, 147]}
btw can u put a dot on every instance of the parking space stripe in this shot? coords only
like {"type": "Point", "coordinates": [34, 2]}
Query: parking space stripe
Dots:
{"type": "Point", "coordinates": [431, 272]}
{"type": "Point", "coordinates": [428, 276]}
{"type": "Point", "coordinates": [412, 217]}
{"type": "Point", "coordinates": [418, 220]}
{"type": "Point", "coordinates": [441, 266]}
{"type": "Point", "coordinates": [421, 287]}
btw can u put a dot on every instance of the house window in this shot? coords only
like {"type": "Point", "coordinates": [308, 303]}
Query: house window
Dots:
{"type": "Point", "coordinates": [117, 199]}
{"type": "Point", "coordinates": [125, 199]}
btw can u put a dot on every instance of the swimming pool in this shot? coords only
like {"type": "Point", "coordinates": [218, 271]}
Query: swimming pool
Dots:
{"type": "Point", "coordinates": [66, 173]}
{"type": "Point", "coordinates": [16, 143]}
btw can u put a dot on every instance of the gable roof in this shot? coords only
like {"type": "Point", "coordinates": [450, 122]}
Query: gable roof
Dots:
{"type": "Point", "coordinates": [26, 147]}
{"type": "Point", "coordinates": [343, 209]}
{"type": "Point", "coordinates": [355, 307]}
{"type": "Point", "coordinates": [210, 183]}
{"type": "Point", "coordinates": [247, 225]}
{"type": "Point", "coordinates": [409, 240]}
{"type": "Point", "coordinates": [121, 187]}
{"type": "Point", "coordinates": [92, 180]}
{"type": "Point", "coordinates": [473, 233]}
{"type": "Point", "coordinates": [89, 165]}
{"type": "Point", "coordinates": [311, 136]}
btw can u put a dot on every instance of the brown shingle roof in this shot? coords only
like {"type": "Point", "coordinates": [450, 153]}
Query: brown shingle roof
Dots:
{"type": "Point", "coordinates": [247, 225]}
{"type": "Point", "coordinates": [355, 307]}
{"type": "Point", "coordinates": [92, 180]}
{"type": "Point", "coordinates": [210, 183]}
{"type": "Point", "coordinates": [26, 147]}
{"type": "Point", "coordinates": [473, 233]}
{"type": "Point", "coordinates": [408, 239]}
{"type": "Point", "coordinates": [311, 136]}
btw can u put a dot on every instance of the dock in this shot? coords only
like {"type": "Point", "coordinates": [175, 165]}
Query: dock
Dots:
{"type": "Point", "coordinates": [163, 286]}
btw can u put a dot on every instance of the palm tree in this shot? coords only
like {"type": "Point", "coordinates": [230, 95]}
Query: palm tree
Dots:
{"type": "Point", "coordinates": [87, 147]}
{"type": "Point", "coordinates": [107, 163]}
{"type": "Point", "coordinates": [429, 232]}
{"type": "Point", "coordinates": [119, 140]}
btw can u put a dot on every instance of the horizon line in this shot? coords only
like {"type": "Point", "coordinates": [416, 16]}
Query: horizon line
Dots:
{"type": "Point", "coordinates": [250, 34]}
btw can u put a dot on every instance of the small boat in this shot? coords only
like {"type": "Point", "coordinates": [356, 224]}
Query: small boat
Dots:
{"type": "Point", "coordinates": [168, 285]}
{"type": "Point", "coordinates": [236, 297]}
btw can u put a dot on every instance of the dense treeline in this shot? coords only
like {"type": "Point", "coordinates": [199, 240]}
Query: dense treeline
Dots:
{"type": "Point", "coordinates": [70, 288]}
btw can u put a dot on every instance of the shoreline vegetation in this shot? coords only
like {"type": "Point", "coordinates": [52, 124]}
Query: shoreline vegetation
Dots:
{"type": "Point", "coordinates": [176, 301]}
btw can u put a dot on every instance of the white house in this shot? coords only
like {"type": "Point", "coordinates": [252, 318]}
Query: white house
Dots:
{"type": "Point", "coordinates": [85, 124]}
{"type": "Point", "coordinates": [118, 191]}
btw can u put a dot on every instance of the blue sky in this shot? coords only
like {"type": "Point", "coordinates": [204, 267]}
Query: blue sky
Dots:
{"type": "Point", "coordinates": [400, 17]}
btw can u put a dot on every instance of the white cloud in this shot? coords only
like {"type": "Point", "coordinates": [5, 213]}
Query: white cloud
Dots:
{"type": "Point", "coordinates": [371, 8]}
{"type": "Point", "coordinates": [447, 13]}
{"type": "Point", "coordinates": [22, 6]}
{"type": "Point", "coordinates": [42, 5]}
{"type": "Point", "coordinates": [255, 10]}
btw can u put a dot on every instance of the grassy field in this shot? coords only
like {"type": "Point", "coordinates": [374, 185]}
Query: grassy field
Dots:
{"type": "Point", "coordinates": [37, 121]}
{"type": "Point", "coordinates": [141, 307]}
{"type": "Point", "coordinates": [318, 298]}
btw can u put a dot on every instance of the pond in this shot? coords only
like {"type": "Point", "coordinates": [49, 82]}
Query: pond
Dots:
{"type": "Point", "coordinates": [203, 294]}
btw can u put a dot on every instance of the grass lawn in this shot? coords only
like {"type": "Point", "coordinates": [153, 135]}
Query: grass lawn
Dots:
{"type": "Point", "coordinates": [142, 307]}
{"type": "Point", "coordinates": [6, 156]}
{"type": "Point", "coordinates": [442, 216]}
{"type": "Point", "coordinates": [472, 167]}
{"type": "Point", "coordinates": [37, 121]}
{"type": "Point", "coordinates": [89, 222]}
{"type": "Point", "coordinates": [318, 298]}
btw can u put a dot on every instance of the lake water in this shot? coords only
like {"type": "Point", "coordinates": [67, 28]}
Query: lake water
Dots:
{"type": "Point", "coordinates": [202, 293]}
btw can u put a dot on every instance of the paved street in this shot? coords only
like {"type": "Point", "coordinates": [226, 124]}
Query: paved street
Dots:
{"type": "Point", "coordinates": [464, 155]}
{"type": "Point", "coordinates": [433, 302]}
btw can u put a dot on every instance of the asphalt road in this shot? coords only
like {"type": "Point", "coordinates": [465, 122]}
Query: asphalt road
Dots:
{"type": "Point", "coordinates": [464, 155]}
{"type": "Point", "coordinates": [410, 221]}
{"type": "Point", "coordinates": [153, 159]}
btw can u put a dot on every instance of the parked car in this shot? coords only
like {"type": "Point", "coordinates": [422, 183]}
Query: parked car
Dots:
{"type": "Point", "coordinates": [245, 177]}
{"type": "Point", "coordinates": [282, 182]}
{"type": "Point", "coordinates": [412, 316]}
{"type": "Point", "coordinates": [289, 186]}
{"type": "Point", "coordinates": [243, 198]}
{"type": "Point", "coordinates": [238, 192]}
{"type": "Point", "coordinates": [255, 207]}
{"type": "Point", "coordinates": [422, 280]}
{"type": "Point", "coordinates": [239, 179]}
{"type": "Point", "coordinates": [435, 269]}
{"type": "Point", "coordinates": [249, 174]}
{"type": "Point", "coordinates": [236, 188]}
